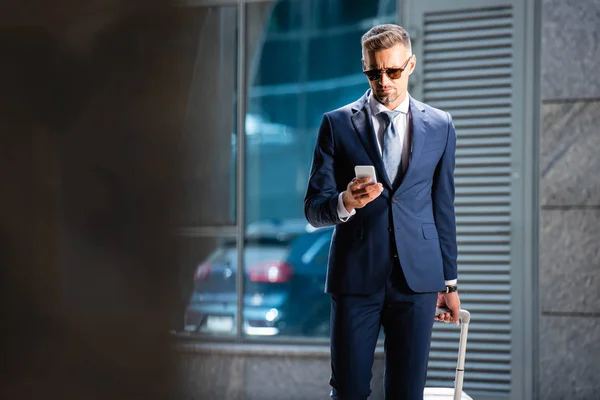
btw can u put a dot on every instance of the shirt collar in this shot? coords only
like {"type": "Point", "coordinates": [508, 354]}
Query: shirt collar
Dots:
{"type": "Point", "coordinates": [377, 107]}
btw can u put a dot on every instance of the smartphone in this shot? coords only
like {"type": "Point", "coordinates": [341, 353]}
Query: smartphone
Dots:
{"type": "Point", "coordinates": [363, 171]}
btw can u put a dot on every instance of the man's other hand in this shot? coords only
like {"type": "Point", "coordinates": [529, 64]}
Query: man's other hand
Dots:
{"type": "Point", "coordinates": [452, 303]}
{"type": "Point", "coordinates": [360, 192]}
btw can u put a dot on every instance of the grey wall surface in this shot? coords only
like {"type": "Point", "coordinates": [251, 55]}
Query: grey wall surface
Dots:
{"type": "Point", "coordinates": [570, 200]}
{"type": "Point", "coordinates": [273, 374]}
{"type": "Point", "coordinates": [570, 49]}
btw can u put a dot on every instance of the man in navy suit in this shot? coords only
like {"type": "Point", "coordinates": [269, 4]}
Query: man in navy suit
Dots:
{"type": "Point", "coordinates": [393, 253]}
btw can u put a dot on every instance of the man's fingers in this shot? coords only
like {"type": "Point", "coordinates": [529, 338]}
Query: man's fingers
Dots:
{"type": "Point", "coordinates": [455, 315]}
{"type": "Point", "coordinates": [362, 181]}
{"type": "Point", "coordinates": [366, 191]}
{"type": "Point", "coordinates": [444, 317]}
{"type": "Point", "coordinates": [361, 194]}
{"type": "Point", "coordinates": [374, 189]}
{"type": "Point", "coordinates": [360, 189]}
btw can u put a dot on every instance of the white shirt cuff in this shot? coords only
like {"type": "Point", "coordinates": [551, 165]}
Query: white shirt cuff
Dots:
{"type": "Point", "coordinates": [452, 282]}
{"type": "Point", "coordinates": [343, 214]}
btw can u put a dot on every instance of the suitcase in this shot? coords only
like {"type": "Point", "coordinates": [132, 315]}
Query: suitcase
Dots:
{"type": "Point", "coordinates": [455, 393]}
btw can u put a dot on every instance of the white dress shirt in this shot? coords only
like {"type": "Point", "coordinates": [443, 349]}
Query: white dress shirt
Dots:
{"type": "Point", "coordinates": [377, 120]}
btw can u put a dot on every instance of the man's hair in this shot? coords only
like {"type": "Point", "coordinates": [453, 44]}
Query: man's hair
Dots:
{"type": "Point", "coordinates": [385, 36]}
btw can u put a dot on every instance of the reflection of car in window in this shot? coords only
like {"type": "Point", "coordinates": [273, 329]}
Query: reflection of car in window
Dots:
{"type": "Point", "coordinates": [285, 266]}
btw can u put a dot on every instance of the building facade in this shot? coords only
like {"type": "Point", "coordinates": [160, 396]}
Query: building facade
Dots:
{"type": "Point", "coordinates": [519, 79]}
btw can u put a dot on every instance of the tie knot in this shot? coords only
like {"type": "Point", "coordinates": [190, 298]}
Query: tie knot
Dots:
{"type": "Point", "coordinates": [389, 116]}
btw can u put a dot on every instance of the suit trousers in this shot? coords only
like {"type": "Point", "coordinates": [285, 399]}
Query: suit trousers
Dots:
{"type": "Point", "coordinates": [407, 319]}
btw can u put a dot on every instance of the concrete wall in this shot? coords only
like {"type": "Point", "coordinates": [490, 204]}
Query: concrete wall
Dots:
{"type": "Point", "coordinates": [258, 372]}
{"type": "Point", "coordinates": [570, 200]}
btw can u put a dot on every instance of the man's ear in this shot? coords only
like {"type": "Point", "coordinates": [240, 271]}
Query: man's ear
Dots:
{"type": "Point", "coordinates": [412, 64]}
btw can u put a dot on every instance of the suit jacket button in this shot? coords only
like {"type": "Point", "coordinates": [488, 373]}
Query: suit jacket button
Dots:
{"type": "Point", "coordinates": [395, 255]}
{"type": "Point", "coordinates": [394, 200]}
{"type": "Point", "coordinates": [390, 228]}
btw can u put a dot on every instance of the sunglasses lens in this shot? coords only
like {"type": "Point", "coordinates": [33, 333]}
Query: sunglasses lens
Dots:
{"type": "Point", "coordinates": [373, 74]}
{"type": "Point", "coordinates": [394, 73]}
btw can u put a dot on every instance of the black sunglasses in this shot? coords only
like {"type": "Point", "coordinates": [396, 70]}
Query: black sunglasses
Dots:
{"type": "Point", "coordinates": [392, 73]}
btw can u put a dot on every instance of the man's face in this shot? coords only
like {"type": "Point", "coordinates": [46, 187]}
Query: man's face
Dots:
{"type": "Point", "coordinates": [390, 92]}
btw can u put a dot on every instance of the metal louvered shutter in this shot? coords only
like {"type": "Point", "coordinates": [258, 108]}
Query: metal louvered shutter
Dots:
{"type": "Point", "coordinates": [465, 56]}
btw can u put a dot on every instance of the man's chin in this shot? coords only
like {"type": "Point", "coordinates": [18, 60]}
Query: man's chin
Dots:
{"type": "Point", "coordinates": [385, 99]}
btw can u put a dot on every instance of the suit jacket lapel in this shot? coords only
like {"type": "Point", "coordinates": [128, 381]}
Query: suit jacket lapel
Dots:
{"type": "Point", "coordinates": [418, 126]}
{"type": "Point", "coordinates": [361, 119]}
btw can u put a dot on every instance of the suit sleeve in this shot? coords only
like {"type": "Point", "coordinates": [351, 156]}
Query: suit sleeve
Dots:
{"type": "Point", "coordinates": [321, 200]}
{"type": "Point", "coordinates": [443, 193]}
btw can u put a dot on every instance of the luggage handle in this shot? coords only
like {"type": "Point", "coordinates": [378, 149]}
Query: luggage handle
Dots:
{"type": "Point", "coordinates": [465, 318]}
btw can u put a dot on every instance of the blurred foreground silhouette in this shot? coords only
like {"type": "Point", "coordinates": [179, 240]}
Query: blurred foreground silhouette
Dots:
{"type": "Point", "coordinates": [90, 111]}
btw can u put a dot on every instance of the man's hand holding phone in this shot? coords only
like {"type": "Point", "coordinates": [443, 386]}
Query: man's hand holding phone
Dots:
{"type": "Point", "coordinates": [360, 192]}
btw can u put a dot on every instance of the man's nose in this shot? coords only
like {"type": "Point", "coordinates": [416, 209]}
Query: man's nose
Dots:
{"type": "Point", "coordinates": [384, 80]}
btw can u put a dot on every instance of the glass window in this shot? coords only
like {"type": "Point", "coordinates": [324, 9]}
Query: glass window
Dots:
{"type": "Point", "coordinates": [336, 55]}
{"type": "Point", "coordinates": [327, 14]}
{"type": "Point", "coordinates": [275, 69]}
{"type": "Point", "coordinates": [208, 137]}
{"type": "Point", "coordinates": [287, 16]}
{"type": "Point", "coordinates": [303, 59]}
{"type": "Point", "coordinates": [285, 279]}
{"type": "Point", "coordinates": [208, 263]}
{"type": "Point", "coordinates": [210, 296]}
{"type": "Point", "coordinates": [298, 77]}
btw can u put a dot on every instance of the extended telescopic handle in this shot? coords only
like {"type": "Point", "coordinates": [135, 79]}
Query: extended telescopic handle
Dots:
{"type": "Point", "coordinates": [465, 318]}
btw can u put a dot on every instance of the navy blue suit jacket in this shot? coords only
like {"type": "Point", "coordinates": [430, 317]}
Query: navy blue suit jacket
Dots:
{"type": "Point", "coordinates": [414, 221]}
